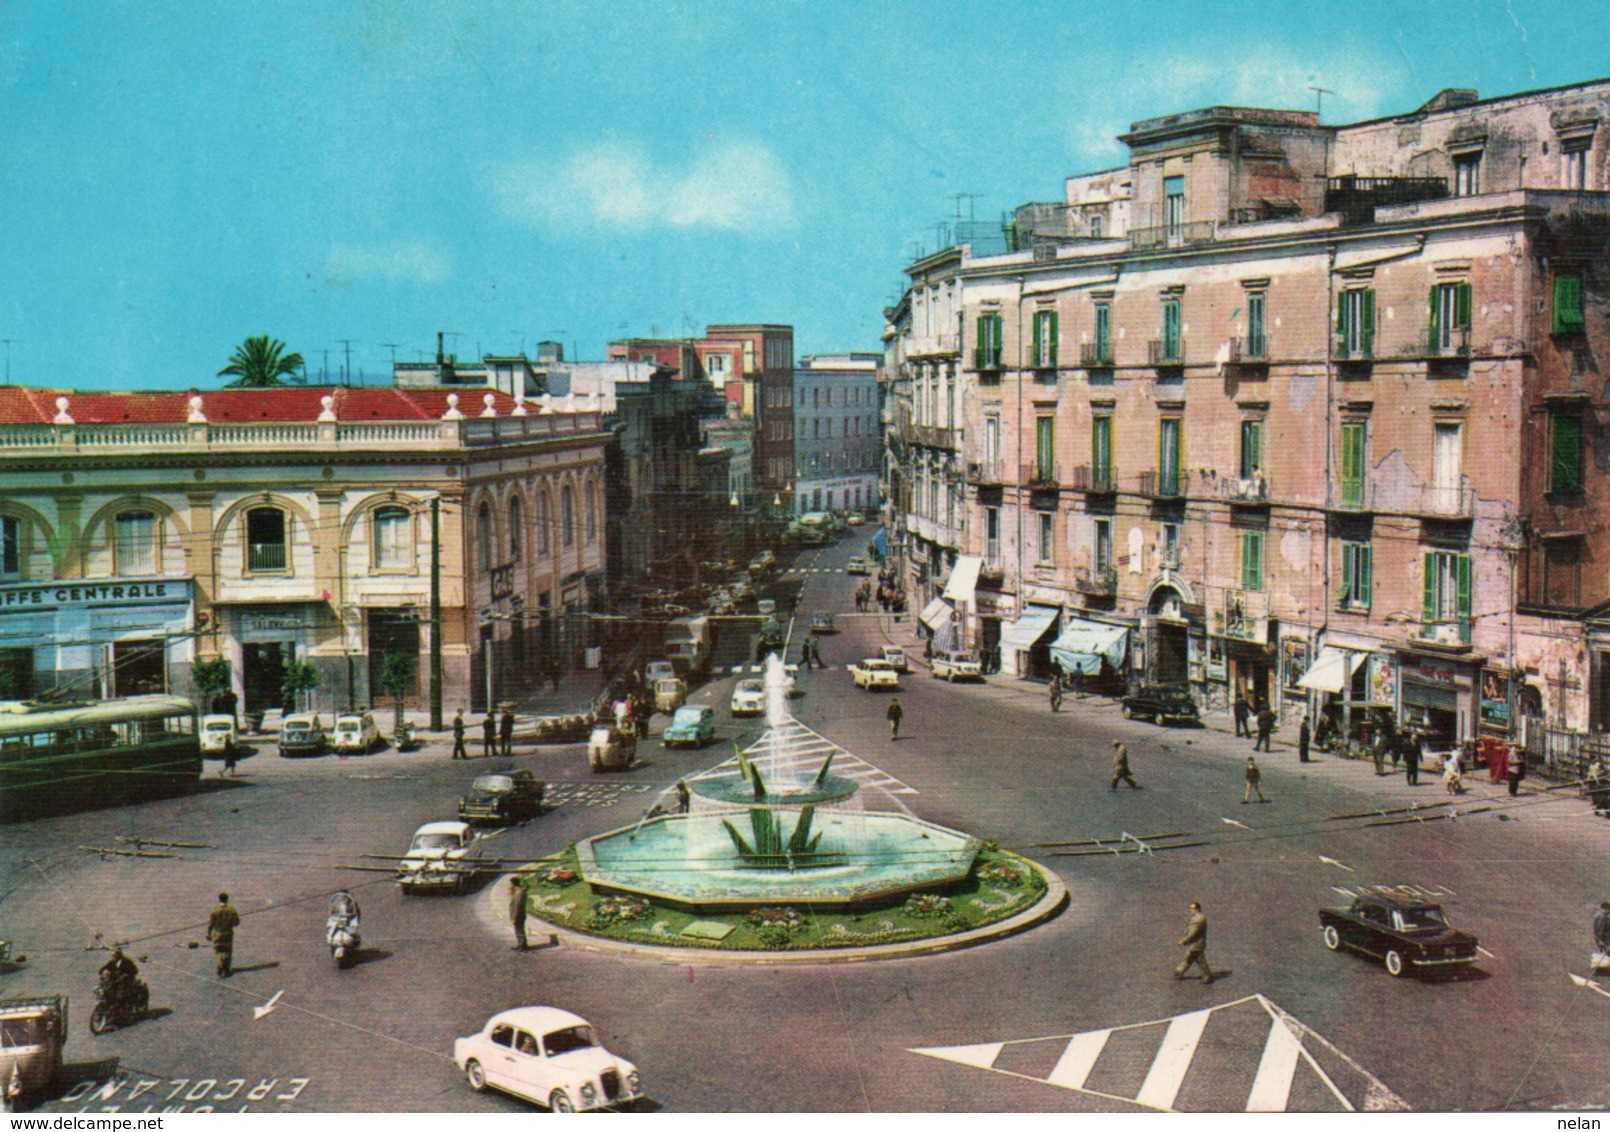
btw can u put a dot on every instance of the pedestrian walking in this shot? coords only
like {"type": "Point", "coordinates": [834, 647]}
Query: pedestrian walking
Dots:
{"type": "Point", "coordinates": [489, 735]}
{"type": "Point", "coordinates": [553, 676]}
{"type": "Point", "coordinates": [231, 756]}
{"type": "Point", "coordinates": [517, 912]}
{"type": "Point", "coordinates": [459, 751]}
{"type": "Point", "coordinates": [1452, 773]}
{"type": "Point", "coordinates": [221, 927]}
{"type": "Point", "coordinates": [1195, 944]}
{"type": "Point", "coordinates": [1516, 770]}
{"type": "Point", "coordinates": [1302, 741]}
{"type": "Point", "coordinates": [1120, 767]}
{"type": "Point", "coordinates": [1601, 928]}
{"type": "Point", "coordinates": [1266, 725]}
{"type": "Point", "coordinates": [1411, 760]}
{"type": "Point", "coordinates": [1378, 750]}
{"type": "Point", "coordinates": [894, 715]}
{"type": "Point", "coordinates": [1254, 778]}
{"type": "Point", "coordinates": [506, 733]}
{"type": "Point", "coordinates": [682, 796]}
{"type": "Point", "coordinates": [1242, 710]}
{"type": "Point", "coordinates": [1078, 677]}
{"type": "Point", "coordinates": [1056, 691]}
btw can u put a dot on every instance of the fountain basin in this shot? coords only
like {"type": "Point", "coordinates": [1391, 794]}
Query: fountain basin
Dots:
{"type": "Point", "coordinates": [687, 861]}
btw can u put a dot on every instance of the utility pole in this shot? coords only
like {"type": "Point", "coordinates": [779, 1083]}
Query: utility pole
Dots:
{"type": "Point", "coordinates": [436, 613]}
{"type": "Point", "coordinates": [324, 374]}
{"type": "Point", "coordinates": [346, 366]}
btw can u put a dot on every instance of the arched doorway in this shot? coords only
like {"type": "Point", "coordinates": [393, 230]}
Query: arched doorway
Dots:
{"type": "Point", "coordinates": [1168, 651]}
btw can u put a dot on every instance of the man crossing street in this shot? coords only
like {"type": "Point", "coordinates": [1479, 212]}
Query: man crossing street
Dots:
{"type": "Point", "coordinates": [1195, 944]}
{"type": "Point", "coordinates": [517, 912]}
{"type": "Point", "coordinates": [221, 927]}
{"type": "Point", "coordinates": [459, 751]}
{"type": "Point", "coordinates": [1254, 778]}
{"type": "Point", "coordinates": [1120, 767]}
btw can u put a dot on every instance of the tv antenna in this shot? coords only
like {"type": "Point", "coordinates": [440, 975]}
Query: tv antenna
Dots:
{"type": "Point", "coordinates": [969, 198]}
{"type": "Point", "coordinates": [1319, 99]}
{"type": "Point", "coordinates": [392, 346]}
{"type": "Point", "coordinates": [346, 366]}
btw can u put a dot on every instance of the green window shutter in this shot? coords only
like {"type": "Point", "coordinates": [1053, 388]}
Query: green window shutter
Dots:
{"type": "Point", "coordinates": [1101, 447]}
{"type": "Point", "coordinates": [1103, 330]}
{"type": "Point", "coordinates": [1364, 575]}
{"type": "Point", "coordinates": [1566, 463]}
{"type": "Point", "coordinates": [1462, 296]}
{"type": "Point", "coordinates": [1044, 445]}
{"type": "Point", "coordinates": [1051, 350]}
{"type": "Point", "coordinates": [1429, 613]}
{"type": "Point", "coordinates": [981, 342]}
{"type": "Point", "coordinates": [1568, 304]}
{"type": "Point", "coordinates": [1462, 565]}
{"type": "Point", "coordinates": [1353, 465]}
{"type": "Point", "coordinates": [1346, 596]}
{"type": "Point", "coordinates": [1436, 318]}
{"type": "Point", "coordinates": [1344, 323]}
{"type": "Point", "coordinates": [1255, 332]}
{"type": "Point", "coordinates": [1367, 323]}
{"type": "Point", "coordinates": [1252, 560]}
{"type": "Point", "coordinates": [1034, 350]}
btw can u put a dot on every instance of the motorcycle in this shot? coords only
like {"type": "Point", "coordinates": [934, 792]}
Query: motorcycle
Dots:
{"type": "Point", "coordinates": [341, 933]}
{"type": "Point", "coordinates": [403, 739]}
{"type": "Point", "coordinates": [119, 1003]}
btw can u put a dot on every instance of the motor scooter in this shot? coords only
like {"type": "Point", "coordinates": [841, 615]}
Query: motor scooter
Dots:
{"type": "Point", "coordinates": [341, 933]}
{"type": "Point", "coordinates": [403, 738]}
{"type": "Point", "coordinates": [118, 1003]}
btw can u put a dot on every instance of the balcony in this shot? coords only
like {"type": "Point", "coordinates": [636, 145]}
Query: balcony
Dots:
{"type": "Point", "coordinates": [265, 556]}
{"type": "Point", "coordinates": [1252, 490]}
{"type": "Point", "coordinates": [1250, 352]}
{"type": "Point", "coordinates": [987, 359]}
{"type": "Point", "coordinates": [1444, 502]}
{"type": "Point", "coordinates": [933, 436]}
{"type": "Point", "coordinates": [1095, 480]}
{"type": "Point", "coordinates": [1166, 352]}
{"type": "Point", "coordinates": [1095, 355]}
{"type": "Point", "coordinates": [986, 473]}
{"type": "Point", "coordinates": [1099, 582]}
{"type": "Point", "coordinates": [1454, 633]}
{"type": "Point", "coordinates": [1158, 485]}
{"type": "Point", "coordinates": [1357, 198]}
{"type": "Point", "coordinates": [1040, 475]}
{"type": "Point", "coordinates": [1356, 496]}
{"type": "Point", "coordinates": [992, 573]}
{"type": "Point", "coordinates": [1442, 343]}
{"type": "Point", "coordinates": [1172, 235]}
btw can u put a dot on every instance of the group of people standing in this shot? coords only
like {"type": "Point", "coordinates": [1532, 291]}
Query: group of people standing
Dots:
{"type": "Point", "coordinates": [497, 734]}
{"type": "Point", "coordinates": [1264, 717]}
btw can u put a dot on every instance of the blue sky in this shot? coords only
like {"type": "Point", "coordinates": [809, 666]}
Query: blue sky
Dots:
{"type": "Point", "coordinates": [178, 176]}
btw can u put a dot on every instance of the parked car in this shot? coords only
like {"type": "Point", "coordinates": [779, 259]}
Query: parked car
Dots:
{"type": "Point", "coordinates": [357, 733]}
{"type": "Point", "coordinates": [218, 734]}
{"type": "Point", "coordinates": [854, 519]}
{"type": "Point", "coordinates": [693, 725]}
{"type": "Point", "coordinates": [501, 798]}
{"type": "Point", "coordinates": [1406, 935]}
{"type": "Point", "coordinates": [302, 735]}
{"type": "Point", "coordinates": [443, 854]}
{"type": "Point", "coordinates": [858, 565]}
{"type": "Point", "coordinates": [766, 607]}
{"type": "Point", "coordinates": [954, 664]}
{"type": "Point", "coordinates": [823, 623]}
{"type": "Point", "coordinates": [656, 670]}
{"type": "Point", "coordinates": [762, 562]}
{"type": "Point", "coordinates": [1161, 703]}
{"type": "Point", "coordinates": [791, 687]}
{"type": "Point", "coordinates": [875, 673]}
{"type": "Point", "coordinates": [669, 694]}
{"type": "Point", "coordinates": [549, 1056]}
{"type": "Point", "coordinates": [896, 656]}
{"type": "Point", "coordinates": [749, 698]}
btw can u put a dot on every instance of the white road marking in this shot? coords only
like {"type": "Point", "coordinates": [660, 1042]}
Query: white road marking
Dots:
{"type": "Point", "coordinates": [1334, 861]}
{"type": "Point", "coordinates": [267, 1007]}
{"type": "Point", "coordinates": [1590, 984]}
{"type": "Point", "coordinates": [1078, 1059]}
{"type": "Point", "coordinates": [1167, 1074]}
{"type": "Point", "coordinates": [1485, 952]}
{"type": "Point", "coordinates": [1343, 891]}
{"type": "Point", "coordinates": [1271, 1088]}
{"type": "Point", "coordinates": [1237, 824]}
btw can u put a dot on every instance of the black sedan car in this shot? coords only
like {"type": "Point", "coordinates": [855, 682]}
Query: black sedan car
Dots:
{"type": "Point", "coordinates": [500, 798]}
{"type": "Point", "coordinates": [1161, 703]}
{"type": "Point", "coordinates": [1407, 935]}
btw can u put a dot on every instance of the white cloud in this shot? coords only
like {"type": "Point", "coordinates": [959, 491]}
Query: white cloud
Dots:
{"type": "Point", "coordinates": [736, 186]}
{"type": "Point", "coordinates": [410, 261]}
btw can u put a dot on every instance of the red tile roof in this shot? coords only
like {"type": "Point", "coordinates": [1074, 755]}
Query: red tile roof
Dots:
{"type": "Point", "coordinates": [26, 405]}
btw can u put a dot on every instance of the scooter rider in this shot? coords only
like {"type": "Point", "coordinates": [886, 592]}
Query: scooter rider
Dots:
{"type": "Point", "coordinates": [119, 973]}
{"type": "Point", "coordinates": [344, 906]}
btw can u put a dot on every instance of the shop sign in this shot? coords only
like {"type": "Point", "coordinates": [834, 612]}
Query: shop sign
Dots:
{"type": "Point", "coordinates": [1216, 668]}
{"type": "Point", "coordinates": [1196, 658]}
{"type": "Point", "coordinates": [1383, 681]}
{"type": "Point", "coordinates": [55, 595]}
{"type": "Point", "coordinates": [1294, 655]}
{"type": "Point", "coordinates": [269, 622]}
{"type": "Point", "coordinates": [1495, 699]}
{"type": "Point", "coordinates": [1429, 671]}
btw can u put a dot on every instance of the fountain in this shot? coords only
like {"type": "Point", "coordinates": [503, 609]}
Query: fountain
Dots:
{"type": "Point", "coordinates": [778, 826]}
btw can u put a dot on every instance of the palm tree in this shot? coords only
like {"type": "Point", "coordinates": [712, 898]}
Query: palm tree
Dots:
{"type": "Point", "coordinates": [260, 362]}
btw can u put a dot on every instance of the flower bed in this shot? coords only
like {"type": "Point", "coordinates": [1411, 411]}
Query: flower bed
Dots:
{"type": "Point", "coordinates": [1001, 885]}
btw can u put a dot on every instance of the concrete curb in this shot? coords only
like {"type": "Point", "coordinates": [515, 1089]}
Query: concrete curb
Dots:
{"type": "Point", "coordinates": [1054, 900]}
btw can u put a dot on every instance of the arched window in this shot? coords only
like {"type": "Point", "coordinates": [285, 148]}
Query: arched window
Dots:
{"type": "Point", "coordinates": [393, 541]}
{"type": "Point", "coordinates": [10, 548]}
{"type": "Point", "coordinates": [265, 540]}
{"type": "Point", "coordinates": [516, 530]}
{"type": "Point", "coordinates": [135, 549]}
{"type": "Point", "coordinates": [483, 537]}
{"type": "Point", "coordinates": [592, 512]}
{"type": "Point", "coordinates": [567, 515]}
{"type": "Point", "coordinates": [543, 520]}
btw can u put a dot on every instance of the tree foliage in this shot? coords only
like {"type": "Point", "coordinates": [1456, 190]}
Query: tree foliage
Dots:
{"type": "Point", "coordinates": [261, 362]}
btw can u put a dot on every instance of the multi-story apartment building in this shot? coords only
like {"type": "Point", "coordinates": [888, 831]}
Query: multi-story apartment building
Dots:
{"type": "Point", "coordinates": [1306, 413]}
{"type": "Point", "coordinates": [837, 439]}
{"type": "Point", "coordinates": [142, 531]}
{"type": "Point", "coordinates": [767, 355]}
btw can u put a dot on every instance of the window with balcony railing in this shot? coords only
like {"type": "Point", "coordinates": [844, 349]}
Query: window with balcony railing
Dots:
{"type": "Point", "coordinates": [1447, 604]}
{"type": "Point", "coordinates": [1354, 436]}
{"type": "Point", "coordinates": [265, 540]}
{"type": "Point", "coordinates": [1044, 348]}
{"type": "Point", "coordinates": [1170, 457]}
{"type": "Point", "coordinates": [1449, 332]}
{"type": "Point", "coordinates": [1355, 329]}
{"type": "Point", "coordinates": [987, 350]}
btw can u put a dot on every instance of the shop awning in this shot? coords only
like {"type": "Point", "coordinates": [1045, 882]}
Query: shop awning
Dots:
{"type": "Point", "coordinates": [963, 578]}
{"type": "Point", "coordinates": [880, 543]}
{"type": "Point", "coordinates": [935, 613]}
{"type": "Point", "coordinates": [1024, 633]}
{"type": "Point", "coordinates": [1083, 645]}
{"type": "Point", "coordinates": [1333, 671]}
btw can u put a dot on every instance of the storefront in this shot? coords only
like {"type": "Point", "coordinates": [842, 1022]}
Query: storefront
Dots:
{"type": "Point", "coordinates": [262, 641]}
{"type": "Point", "coordinates": [1437, 696]}
{"type": "Point", "coordinates": [1094, 653]}
{"type": "Point", "coordinates": [95, 639]}
{"type": "Point", "coordinates": [1026, 642]}
{"type": "Point", "coordinates": [960, 590]}
{"type": "Point", "coordinates": [938, 621]}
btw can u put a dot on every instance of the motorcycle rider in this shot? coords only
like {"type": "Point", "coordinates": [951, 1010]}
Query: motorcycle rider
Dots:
{"type": "Point", "coordinates": [119, 974]}
{"type": "Point", "coordinates": [343, 905]}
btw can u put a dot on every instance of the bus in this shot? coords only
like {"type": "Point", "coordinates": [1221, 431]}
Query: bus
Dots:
{"type": "Point", "coordinates": [56, 757]}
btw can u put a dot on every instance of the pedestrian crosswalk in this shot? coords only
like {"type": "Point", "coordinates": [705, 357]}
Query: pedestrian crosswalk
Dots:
{"type": "Point", "coordinates": [795, 750]}
{"type": "Point", "coordinates": [590, 794]}
{"type": "Point", "coordinates": [1248, 1055]}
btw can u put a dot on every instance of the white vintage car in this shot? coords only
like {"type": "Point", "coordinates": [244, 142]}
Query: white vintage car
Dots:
{"type": "Point", "coordinates": [356, 733]}
{"type": "Point", "coordinates": [874, 673]}
{"type": "Point", "coordinates": [549, 1056]}
{"type": "Point", "coordinates": [218, 734]}
{"type": "Point", "coordinates": [443, 854]}
{"type": "Point", "coordinates": [749, 698]}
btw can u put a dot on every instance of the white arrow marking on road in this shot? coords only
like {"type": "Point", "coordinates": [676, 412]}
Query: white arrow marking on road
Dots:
{"type": "Point", "coordinates": [1590, 984]}
{"type": "Point", "coordinates": [259, 1011]}
{"type": "Point", "coordinates": [1232, 821]}
{"type": "Point", "coordinates": [1334, 861]}
{"type": "Point", "coordinates": [1485, 952]}
{"type": "Point", "coordinates": [1343, 891]}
